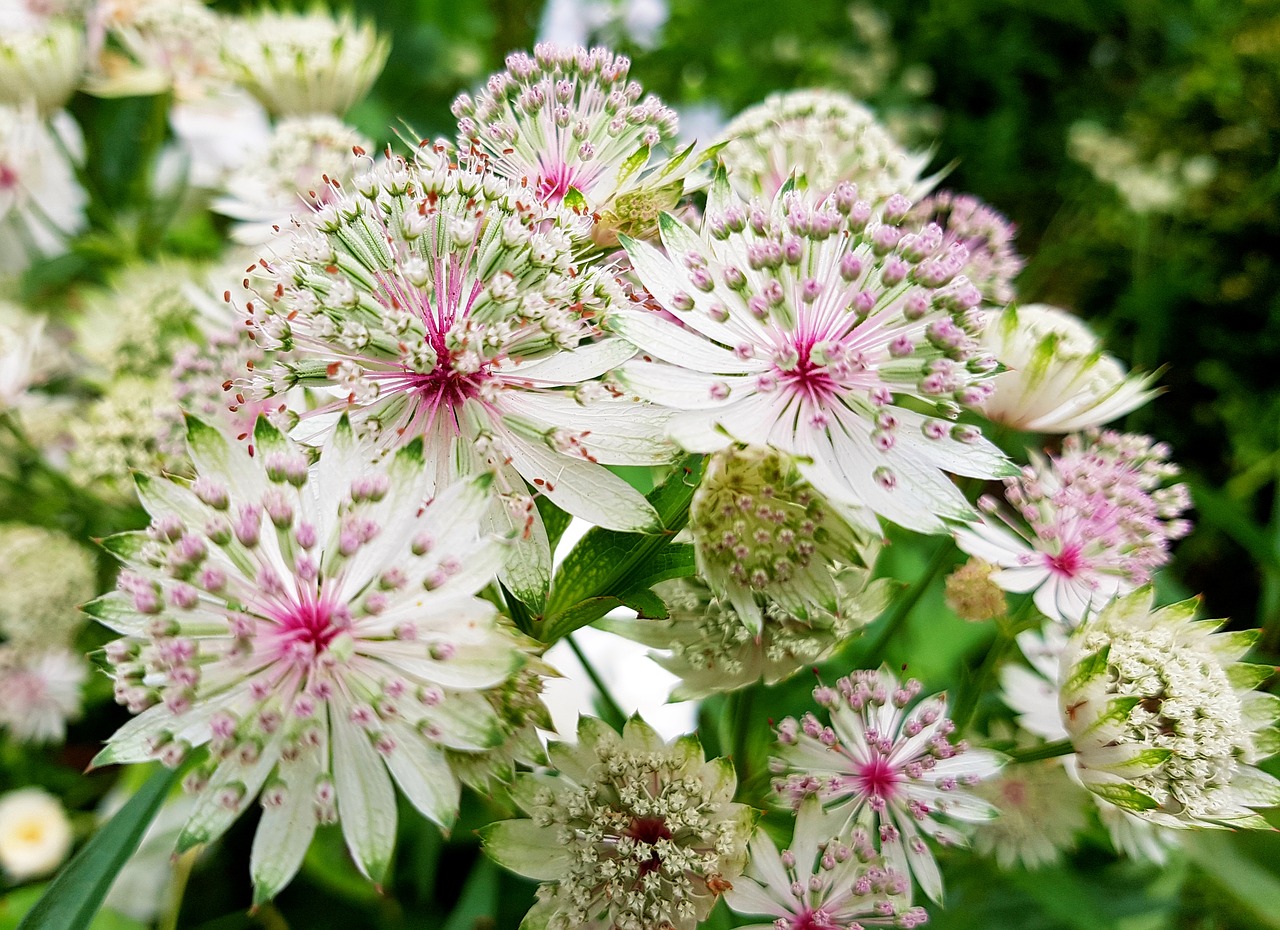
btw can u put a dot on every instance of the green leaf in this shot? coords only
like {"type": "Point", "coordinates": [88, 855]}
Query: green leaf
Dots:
{"type": "Point", "coordinates": [607, 565]}
{"type": "Point", "coordinates": [76, 893]}
{"type": "Point", "coordinates": [479, 899]}
{"type": "Point", "coordinates": [1251, 882]}
{"type": "Point", "coordinates": [553, 518]}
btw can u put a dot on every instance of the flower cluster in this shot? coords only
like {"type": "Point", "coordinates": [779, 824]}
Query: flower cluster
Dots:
{"type": "Point", "coordinates": [992, 264]}
{"type": "Point", "coordinates": [1099, 523]}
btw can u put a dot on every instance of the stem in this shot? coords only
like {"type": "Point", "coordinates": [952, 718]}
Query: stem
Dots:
{"type": "Point", "coordinates": [1052, 750]}
{"type": "Point", "coordinates": [740, 704]}
{"type": "Point", "coordinates": [612, 711]}
{"type": "Point", "coordinates": [904, 605]}
{"type": "Point", "coordinates": [1007, 630]}
{"type": "Point", "coordinates": [181, 875]}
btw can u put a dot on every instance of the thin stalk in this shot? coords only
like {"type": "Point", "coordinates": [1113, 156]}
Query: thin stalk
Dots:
{"type": "Point", "coordinates": [181, 875]}
{"type": "Point", "coordinates": [613, 713]}
{"type": "Point", "coordinates": [904, 605]}
{"type": "Point", "coordinates": [1052, 750]}
{"type": "Point", "coordinates": [1007, 630]}
{"type": "Point", "coordinates": [740, 706]}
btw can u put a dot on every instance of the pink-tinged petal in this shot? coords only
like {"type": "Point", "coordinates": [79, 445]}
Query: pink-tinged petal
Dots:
{"type": "Point", "coordinates": [366, 800]}
{"type": "Point", "coordinates": [286, 828]}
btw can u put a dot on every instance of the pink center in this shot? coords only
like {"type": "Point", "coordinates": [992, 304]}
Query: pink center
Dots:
{"type": "Point", "coordinates": [649, 830]}
{"type": "Point", "coordinates": [555, 182]}
{"type": "Point", "coordinates": [1068, 563]}
{"type": "Point", "coordinates": [878, 778]}
{"type": "Point", "coordinates": [8, 178]}
{"type": "Point", "coordinates": [1015, 792]}
{"type": "Point", "coordinates": [812, 920]}
{"type": "Point", "coordinates": [306, 627]}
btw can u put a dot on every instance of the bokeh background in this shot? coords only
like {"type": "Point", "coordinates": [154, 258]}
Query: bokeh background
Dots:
{"type": "Point", "coordinates": [1134, 142]}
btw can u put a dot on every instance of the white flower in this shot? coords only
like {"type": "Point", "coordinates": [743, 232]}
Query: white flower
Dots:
{"type": "Point", "coordinates": [292, 173]}
{"type": "Point", "coordinates": [304, 63]}
{"type": "Point", "coordinates": [632, 834]}
{"type": "Point", "coordinates": [1085, 525]}
{"type": "Point", "coordinates": [168, 45]}
{"type": "Point", "coordinates": [40, 690]}
{"type": "Point", "coordinates": [826, 879]}
{"type": "Point", "coordinates": [41, 63]}
{"type": "Point", "coordinates": [804, 326]}
{"type": "Point", "coordinates": [23, 347]}
{"type": "Point", "coordinates": [41, 202]}
{"type": "Point", "coordinates": [824, 137]}
{"type": "Point", "coordinates": [1164, 718]}
{"type": "Point", "coordinates": [35, 834]}
{"type": "Point", "coordinates": [216, 133]}
{"type": "Point", "coordinates": [1041, 810]}
{"type": "Point", "coordinates": [316, 627]}
{"type": "Point", "coordinates": [439, 301]}
{"type": "Point", "coordinates": [886, 762]}
{"type": "Point", "coordinates": [1059, 379]}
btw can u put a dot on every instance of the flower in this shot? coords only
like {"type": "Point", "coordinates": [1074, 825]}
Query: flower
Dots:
{"type": "Point", "coordinates": [759, 529]}
{"type": "Point", "coordinates": [712, 650]}
{"type": "Point", "coordinates": [23, 347]}
{"type": "Point", "coordinates": [1098, 523]}
{"type": "Point", "coordinates": [35, 834]}
{"type": "Point", "coordinates": [438, 301]}
{"type": "Point", "coordinates": [569, 123]}
{"type": "Point", "coordinates": [824, 137]}
{"type": "Point", "coordinates": [824, 879]}
{"type": "Point", "coordinates": [894, 769]}
{"type": "Point", "coordinates": [46, 577]}
{"type": "Point", "coordinates": [1163, 717]}
{"type": "Point", "coordinates": [293, 173]}
{"type": "Point", "coordinates": [134, 426]}
{"type": "Point", "coordinates": [167, 45]}
{"type": "Point", "coordinates": [41, 202]}
{"type": "Point", "coordinates": [299, 64]}
{"type": "Point", "coordinates": [1041, 810]}
{"type": "Point", "coordinates": [986, 233]}
{"type": "Point", "coordinates": [972, 595]}
{"type": "Point", "coordinates": [801, 327]}
{"type": "Point", "coordinates": [40, 690]}
{"type": "Point", "coordinates": [1058, 379]}
{"type": "Point", "coordinates": [316, 627]}
{"type": "Point", "coordinates": [632, 834]}
{"type": "Point", "coordinates": [41, 63]}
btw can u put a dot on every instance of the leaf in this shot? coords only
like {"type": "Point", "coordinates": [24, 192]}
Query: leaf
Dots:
{"type": "Point", "coordinates": [606, 562]}
{"type": "Point", "coordinates": [1255, 886]}
{"type": "Point", "coordinates": [77, 892]}
{"type": "Point", "coordinates": [479, 899]}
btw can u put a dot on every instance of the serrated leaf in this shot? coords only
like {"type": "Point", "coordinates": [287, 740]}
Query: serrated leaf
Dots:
{"type": "Point", "coordinates": [77, 892]}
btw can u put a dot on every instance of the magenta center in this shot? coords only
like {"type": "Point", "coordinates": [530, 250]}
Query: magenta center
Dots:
{"type": "Point", "coordinates": [8, 178]}
{"type": "Point", "coordinates": [554, 183]}
{"type": "Point", "coordinates": [808, 378]}
{"type": "Point", "coordinates": [309, 623]}
{"type": "Point", "coordinates": [878, 778]}
{"type": "Point", "coordinates": [1068, 563]}
{"type": "Point", "coordinates": [812, 920]}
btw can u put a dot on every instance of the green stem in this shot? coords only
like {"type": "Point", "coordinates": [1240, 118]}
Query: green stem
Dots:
{"type": "Point", "coordinates": [904, 605]}
{"type": "Point", "coordinates": [740, 705]}
{"type": "Point", "coordinates": [1061, 747]}
{"type": "Point", "coordinates": [613, 714]}
{"type": "Point", "coordinates": [1007, 630]}
{"type": "Point", "coordinates": [181, 875]}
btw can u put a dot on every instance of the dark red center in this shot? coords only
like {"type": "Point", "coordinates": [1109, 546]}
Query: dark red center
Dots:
{"type": "Point", "coordinates": [8, 177]}
{"type": "Point", "coordinates": [649, 830]}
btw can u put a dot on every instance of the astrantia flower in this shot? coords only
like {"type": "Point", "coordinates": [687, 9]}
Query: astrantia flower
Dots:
{"type": "Point", "coordinates": [971, 594]}
{"type": "Point", "coordinates": [823, 136]}
{"type": "Point", "coordinates": [987, 234]}
{"type": "Point", "coordinates": [827, 879]}
{"type": "Point", "coordinates": [712, 650]}
{"type": "Point", "coordinates": [41, 63]}
{"type": "Point", "coordinates": [41, 202]}
{"type": "Point", "coordinates": [299, 63]}
{"type": "Point", "coordinates": [439, 301]}
{"type": "Point", "coordinates": [169, 45]}
{"type": "Point", "coordinates": [1041, 810]}
{"type": "Point", "coordinates": [316, 627]}
{"type": "Point", "coordinates": [760, 530]}
{"type": "Point", "coordinates": [1097, 523]}
{"type": "Point", "coordinates": [134, 426]}
{"type": "Point", "coordinates": [568, 119]}
{"type": "Point", "coordinates": [632, 834]}
{"type": "Point", "coordinates": [518, 704]}
{"type": "Point", "coordinates": [22, 347]}
{"type": "Point", "coordinates": [805, 323]}
{"type": "Point", "coordinates": [35, 833]}
{"type": "Point", "coordinates": [888, 763]}
{"type": "Point", "coordinates": [46, 577]}
{"type": "Point", "coordinates": [292, 174]}
{"type": "Point", "coordinates": [40, 690]}
{"type": "Point", "coordinates": [1058, 379]}
{"type": "Point", "coordinates": [1164, 718]}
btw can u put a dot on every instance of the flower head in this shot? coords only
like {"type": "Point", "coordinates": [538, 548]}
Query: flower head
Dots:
{"type": "Point", "coordinates": [1041, 810]}
{"type": "Point", "coordinates": [1164, 718]}
{"type": "Point", "coordinates": [134, 426]}
{"type": "Point", "coordinates": [828, 878]}
{"type": "Point", "coordinates": [298, 64]}
{"type": "Point", "coordinates": [886, 761]}
{"type": "Point", "coordinates": [1058, 378]}
{"type": "Point", "coordinates": [295, 172]}
{"type": "Point", "coordinates": [972, 595]}
{"type": "Point", "coordinates": [42, 63]}
{"type": "Point", "coordinates": [46, 577]}
{"type": "Point", "coordinates": [1098, 523]}
{"type": "Point", "coordinates": [35, 833]}
{"type": "Point", "coordinates": [316, 627]}
{"type": "Point", "coordinates": [40, 691]}
{"type": "Point", "coordinates": [712, 650]}
{"type": "Point", "coordinates": [801, 327]}
{"type": "Point", "coordinates": [986, 233]}
{"type": "Point", "coordinates": [569, 122]}
{"type": "Point", "coordinates": [23, 350]}
{"type": "Point", "coordinates": [632, 834]}
{"type": "Point", "coordinates": [41, 202]}
{"type": "Point", "coordinates": [168, 45]}
{"type": "Point", "coordinates": [760, 530]}
{"type": "Point", "coordinates": [439, 301]}
{"type": "Point", "coordinates": [823, 136]}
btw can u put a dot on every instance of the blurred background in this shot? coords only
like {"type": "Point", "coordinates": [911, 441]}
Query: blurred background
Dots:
{"type": "Point", "coordinates": [1135, 144]}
